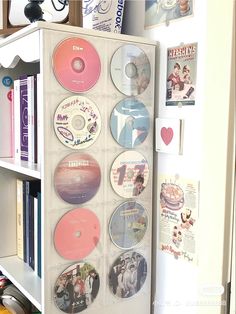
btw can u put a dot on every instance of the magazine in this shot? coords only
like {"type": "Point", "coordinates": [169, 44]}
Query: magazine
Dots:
{"type": "Point", "coordinates": [181, 75]}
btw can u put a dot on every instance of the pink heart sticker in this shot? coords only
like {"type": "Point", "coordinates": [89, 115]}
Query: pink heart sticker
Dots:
{"type": "Point", "coordinates": [167, 135]}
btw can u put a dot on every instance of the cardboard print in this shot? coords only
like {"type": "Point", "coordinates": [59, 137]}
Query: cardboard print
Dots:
{"type": "Point", "coordinates": [181, 75]}
{"type": "Point", "coordinates": [178, 217]}
{"type": "Point", "coordinates": [163, 11]}
{"type": "Point", "coordinates": [169, 135]}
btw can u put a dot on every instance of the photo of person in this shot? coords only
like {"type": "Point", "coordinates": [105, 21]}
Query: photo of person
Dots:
{"type": "Point", "coordinates": [177, 236]}
{"type": "Point", "coordinates": [138, 185]}
{"type": "Point", "coordinates": [76, 288]}
{"type": "Point", "coordinates": [186, 78]}
{"type": "Point", "coordinates": [175, 79]}
{"type": "Point", "coordinates": [181, 75]}
{"type": "Point", "coordinates": [128, 274]}
{"type": "Point", "coordinates": [187, 220]}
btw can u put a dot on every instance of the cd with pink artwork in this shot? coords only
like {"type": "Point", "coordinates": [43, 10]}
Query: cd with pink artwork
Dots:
{"type": "Point", "coordinates": [77, 178]}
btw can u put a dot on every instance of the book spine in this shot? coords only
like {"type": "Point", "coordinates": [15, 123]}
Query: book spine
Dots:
{"type": "Point", "coordinates": [25, 214]}
{"type": "Point", "coordinates": [5, 121]}
{"type": "Point", "coordinates": [19, 213]}
{"type": "Point", "coordinates": [31, 231]}
{"type": "Point", "coordinates": [24, 117]}
{"type": "Point", "coordinates": [36, 234]}
{"type": "Point", "coordinates": [39, 236]}
{"type": "Point", "coordinates": [16, 100]}
{"type": "Point", "coordinates": [35, 118]}
{"type": "Point", "coordinates": [30, 89]}
{"type": "Point", "coordinates": [39, 123]}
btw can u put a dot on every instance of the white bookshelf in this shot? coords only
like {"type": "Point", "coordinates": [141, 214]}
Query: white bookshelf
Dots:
{"type": "Point", "coordinates": [22, 167]}
{"type": "Point", "coordinates": [34, 45]}
{"type": "Point", "coordinates": [23, 277]}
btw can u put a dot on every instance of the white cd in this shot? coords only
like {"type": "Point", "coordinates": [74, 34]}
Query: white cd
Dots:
{"type": "Point", "coordinates": [77, 122]}
{"type": "Point", "coordinates": [130, 70]}
{"type": "Point", "coordinates": [129, 174]}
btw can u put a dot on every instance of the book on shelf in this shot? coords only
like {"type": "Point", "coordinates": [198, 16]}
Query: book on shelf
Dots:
{"type": "Point", "coordinates": [19, 218]}
{"type": "Point", "coordinates": [6, 115]}
{"type": "Point", "coordinates": [39, 133]}
{"type": "Point", "coordinates": [31, 119]}
{"type": "Point", "coordinates": [24, 117]}
{"type": "Point", "coordinates": [39, 240]}
{"type": "Point", "coordinates": [36, 233]}
{"type": "Point", "coordinates": [31, 232]}
{"type": "Point", "coordinates": [16, 118]}
{"type": "Point", "coordinates": [30, 192]}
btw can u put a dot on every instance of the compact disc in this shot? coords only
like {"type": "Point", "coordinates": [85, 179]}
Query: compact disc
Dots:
{"type": "Point", "coordinates": [77, 122]}
{"type": "Point", "coordinates": [128, 224]}
{"type": "Point", "coordinates": [130, 70]}
{"type": "Point", "coordinates": [129, 174]}
{"type": "Point", "coordinates": [76, 64]}
{"type": "Point", "coordinates": [130, 122]}
{"type": "Point", "coordinates": [77, 178]}
{"type": "Point", "coordinates": [127, 274]}
{"type": "Point", "coordinates": [76, 287]}
{"type": "Point", "coordinates": [76, 234]}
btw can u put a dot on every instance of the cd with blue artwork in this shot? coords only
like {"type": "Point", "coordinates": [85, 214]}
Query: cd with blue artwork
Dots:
{"type": "Point", "coordinates": [128, 224]}
{"type": "Point", "coordinates": [130, 122]}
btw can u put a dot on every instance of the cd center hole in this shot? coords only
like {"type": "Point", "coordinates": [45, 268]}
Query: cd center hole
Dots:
{"type": "Point", "coordinates": [78, 65]}
{"type": "Point", "coordinates": [78, 234]}
{"type": "Point", "coordinates": [131, 70]}
{"type": "Point", "coordinates": [78, 122]}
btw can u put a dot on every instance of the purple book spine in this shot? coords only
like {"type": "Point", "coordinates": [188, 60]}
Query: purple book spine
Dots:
{"type": "Point", "coordinates": [24, 117]}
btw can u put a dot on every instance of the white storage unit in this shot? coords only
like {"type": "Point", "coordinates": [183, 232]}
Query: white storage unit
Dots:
{"type": "Point", "coordinates": [35, 46]}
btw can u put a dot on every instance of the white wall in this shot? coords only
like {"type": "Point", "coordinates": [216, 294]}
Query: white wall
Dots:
{"type": "Point", "coordinates": [207, 152]}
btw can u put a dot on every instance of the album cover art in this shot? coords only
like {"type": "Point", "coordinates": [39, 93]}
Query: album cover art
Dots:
{"type": "Point", "coordinates": [181, 75]}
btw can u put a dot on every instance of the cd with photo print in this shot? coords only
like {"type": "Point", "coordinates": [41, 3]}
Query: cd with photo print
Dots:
{"type": "Point", "coordinates": [127, 274]}
{"type": "Point", "coordinates": [76, 288]}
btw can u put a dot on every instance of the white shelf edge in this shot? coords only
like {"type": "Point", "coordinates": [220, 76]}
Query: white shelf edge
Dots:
{"type": "Point", "coordinates": [23, 277]}
{"type": "Point", "coordinates": [22, 167]}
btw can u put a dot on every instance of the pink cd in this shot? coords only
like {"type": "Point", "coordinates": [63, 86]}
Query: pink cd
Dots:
{"type": "Point", "coordinates": [77, 234]}
{"type": "Point", "coordinates": [76, 64]}
{"type": "Point", "coordinates": [77, 178]}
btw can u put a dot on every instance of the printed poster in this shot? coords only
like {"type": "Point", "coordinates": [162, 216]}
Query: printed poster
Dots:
{"type": "Point", "coordinates": [163, 11]}
{"type": "Point", "coordinates": [179, 200]}
{"type": "Point", "coordinates": [181, 75]}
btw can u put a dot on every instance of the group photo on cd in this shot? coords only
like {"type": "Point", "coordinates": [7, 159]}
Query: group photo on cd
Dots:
{"type": "Point", "coordinates": [76, 288]}
{"type": "Point", "coordinates": [128, 224]}
{"type": "Point", "coordinates": [77, 178]}
{"type": "Point", "coordinates": [130, 70]}
{"type": "Point", "coordinates": [129, 174]}
{"type": "Point", "coordinates": [77, 122]}
{"type": "Point", "coordinates": [76, 64]}
{"type": "Point", "coordinates": [130, 123]}
{"type": "Point", "coordinates": [128, 274]}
